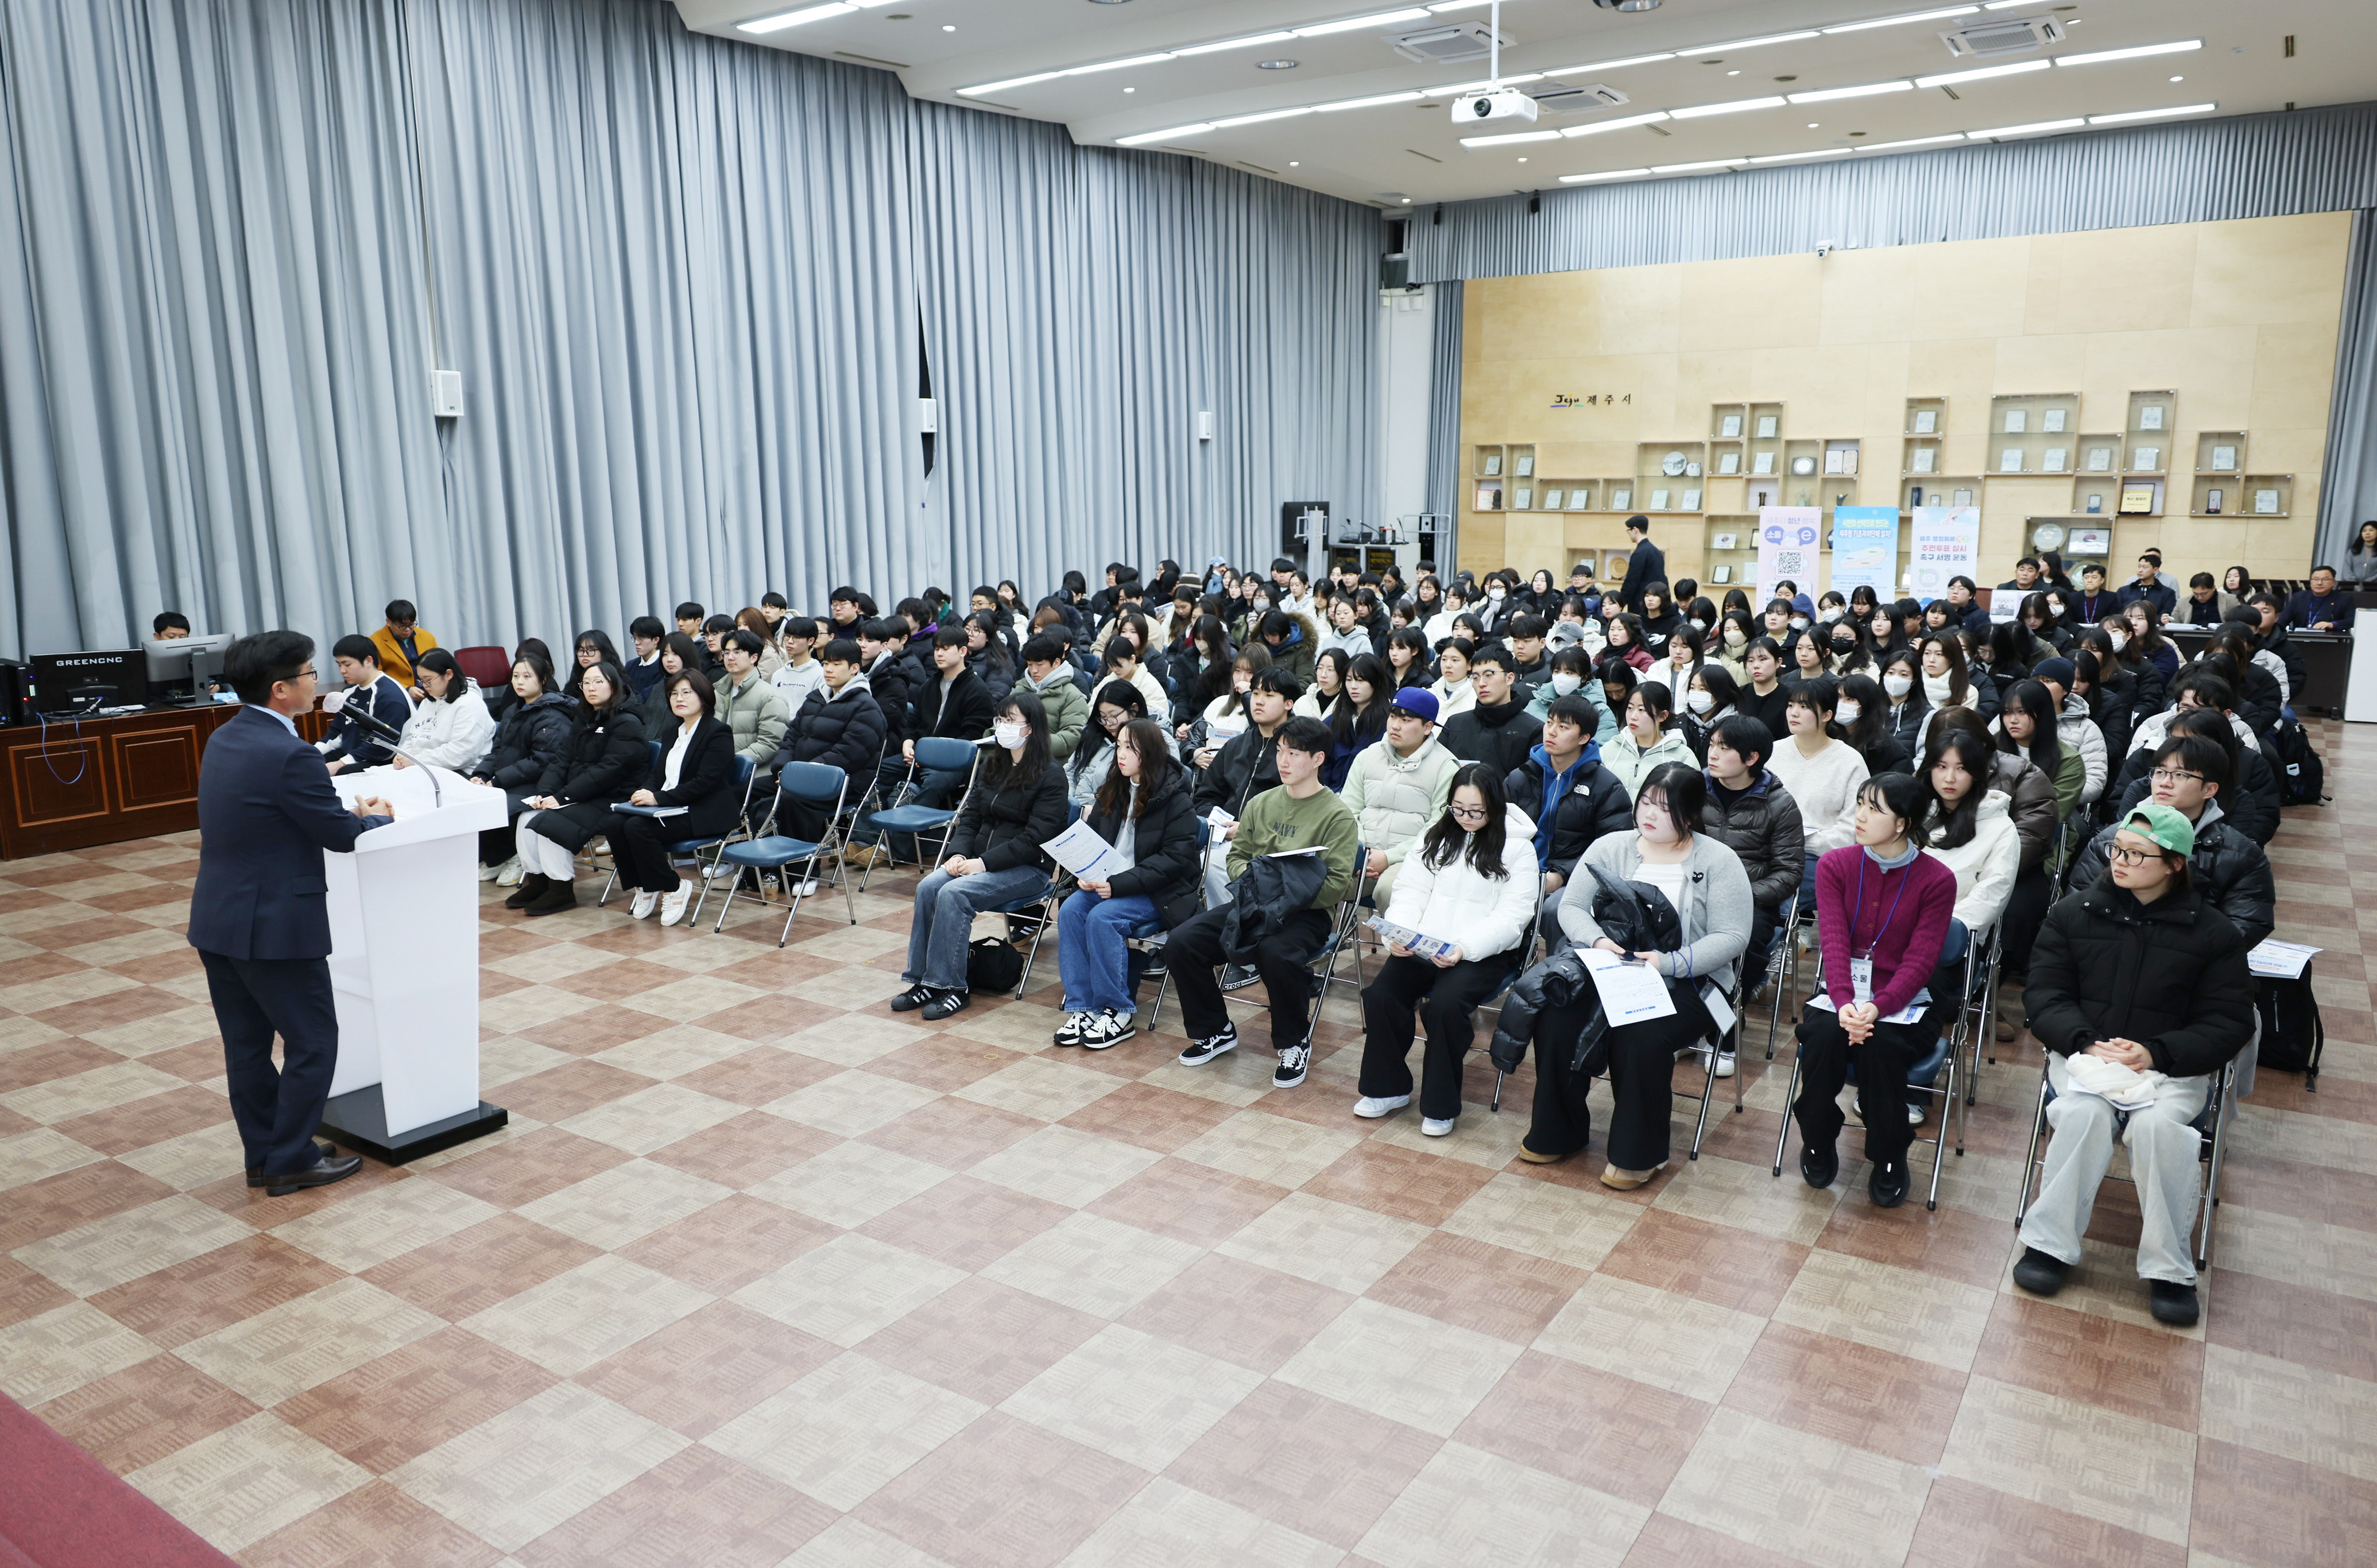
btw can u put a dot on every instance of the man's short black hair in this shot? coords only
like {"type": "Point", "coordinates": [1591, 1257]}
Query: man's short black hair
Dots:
{"type": "Point", "coordinates": [356, 648]}
{"type": "Point", "coordinates": [175, 620]}
{"type": "Point", "coordinates": [950, 636]}
{"type": "Point", "coordinates": [1305, 733]}
{"type": "Point", "coordinates": [1572, 709]}
{"type": "Point", "coordinates": [1966, 584]}
{"type": "Point", "coordinates": [2097, 567]}
{"type": "Point", "coordinates": [842, 650]}
{"type": "Point", "coordinates": [1524, 627]}
{"type": "Point", "coordinates": [720, 624]}
{"type": "Point", "coordinates": [751, 642]}
{"type": "Point", "coordinates": [1279, 681]}
{"type": "Point", "coordinates": [1275, 623]}
{"type": "Point", "coordinates": [771, 600]}
{"type": "Point", "coordinates": [401, 611]}
{"type": "Point", "coordinates": [647, 625]}
{"type": "Point", "coordinates": [1638, 523]}
{"type": "Point", "coordinates": [801, 627]}
{"type": "Point", "coordinates": [1042, 650]}
{"type": "Point", "coordinates": [1281, 563]}
{"type": "Point", "coordinates": [2196, 754]}
{"type": "Point", "coordinates": [1746, 737]}
{"type": "Point", "coordinates": [2212, 689]}
{"type": "Point", "coordinates": [1493, 654]}
{"type": "Point", "coordinates": [2030, 561]}
{"type": "Point", "coordinates": [689, 611]}
{"type": "Point", "coordinates": [253, 663]}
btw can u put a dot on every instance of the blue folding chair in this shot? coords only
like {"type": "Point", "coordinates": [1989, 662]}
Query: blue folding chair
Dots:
{"type": "Point", "coordinates": [812, 784]}
{"type": "Point", "coordinates": [1045, 902]}
{"type": "Point", "coordinates": [652, 762]}
{"type": "Point", "coordinates": [934, 754]}
{"type": "Point", "coordinates": [745, 771]}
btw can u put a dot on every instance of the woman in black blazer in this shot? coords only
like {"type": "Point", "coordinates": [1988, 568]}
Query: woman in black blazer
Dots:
{"type": "Point", "coordinates": [696, 772]}
{"type": "Point", "coordinates": [573, 801]}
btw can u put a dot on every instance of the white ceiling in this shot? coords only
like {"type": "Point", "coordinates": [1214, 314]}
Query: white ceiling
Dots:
{"type": "Point", "coordinates": [1393, 153]}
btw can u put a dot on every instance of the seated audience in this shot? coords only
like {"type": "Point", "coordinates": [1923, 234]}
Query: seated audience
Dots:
{"type": "Point", "coordinates": [748, 705]}
{"type": "Point", "coordinates": [678, 654]}
{"type": "Point", "coordinates": [1862, 713]}
{"type": "Point", "coordinates": [531, 738]}
{"type": "Point", "coordinates": [573, 800]}
{"type": "Point", "coordinates": [1571, 676]}
{"type": "Point", "coordinates": [1572, 799]}
{"type": "Point", "coordinates": [401, 643]}
{"type": "Point", "coordinates": [2190, 774]}
{"type": "Point", "coordinates": [1704, 883]}
{"type": "Point", "coordinates": [594, 647]}
{"type": "Point", "coordinates": [1397, 785]}
{"type": "Point", "coordinates": [643, 671]}
{"type": "Point", "coordinates": [168, 626]}
{"type": "Point", "coordinates": [1359, 719]}
{"type": "Point", "coordinates": [1822, 775]}
{"type": "Point", "coordinates": [1646, 744]}
{"type": "Point", "coordinates": [1494, 729]}
{"type": "Point", "coordinates": [1143, 811]}
{"type": "Point", "coordinates": [1299, 815]}
{"type": "Point", "coordinates": [1763, 696]}
{"type": "Point", "coordinates": [2139, 990]}
{"type": "Point", "coordinates": [1246, 766]}
{"type": "Point", "coordinates": [993, 855]}
{"type": "Point", "coordinates": [2320, 607]}
{"type": "Point", "coordinates": [1118, 703]}
{"type": "Point", "coordinates": [1880, 948]}
{"type": "Point", "coordinates": [1048, 675]}
{"type": "Point", "coordinates": [796, 673]}
{"type": "Point", "coordinates": [2250, 806]}
{"type": "Point", "coordinates": [1751, 813]}
{"type": "Point", "coordinates": [450, 727]}
{"type": "Point", "coordinates": [694, 779]}
{"type": "Point", "coordinates": [1709, 692]}
{"type": "Point", "coordinates": [1452, 690]}
{"type": "Point", "coordinates": [839, 725]}
{"type": "Point", "coordinates": [368, 692]}
{"type": "Point", "coordinates": [1472, 883]}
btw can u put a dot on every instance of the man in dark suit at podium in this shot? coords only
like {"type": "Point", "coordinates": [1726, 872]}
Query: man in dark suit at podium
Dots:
{"type": "Point", "coordinates": [260, 914]}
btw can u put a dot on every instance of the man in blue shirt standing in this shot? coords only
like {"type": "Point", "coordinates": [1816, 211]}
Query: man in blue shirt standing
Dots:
{"type": "Point", "coordinates": [260, 915]}
{"type": "Point", "coordinates": [2323, 608]}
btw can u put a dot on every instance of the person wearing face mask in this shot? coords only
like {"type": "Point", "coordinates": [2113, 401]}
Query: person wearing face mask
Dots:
{"type": "Point", "coordinates": [1495, 610]}
{"type": "Point", "coordinates": [1709, 701]}
{"type": "Point", "coordinates": [1846, 641]}
{"type": "Point", "coordinates": [1882, 913]}
{"type": "Point", "coordinates": [2042, 615]}
{"type": "Point", "coordinates": [1902, 687]}
{"type": "Point", "coordinates": [2140, 972]}
{"type": "Point", "coordinates": [1736, 632]}
{"type": "Point", "coordinates": [991, 857]}
{"type": "Point", "coordinates": [2118, 655]}
{"type": "Point", "coordinates": [1863, 715]}
{"type": "Point", "coordinates": [1646, 744]}
{"type": "Point", "coordinates": [1703, 881]}
{"type": "Point", "coordinates": [1571, 676]}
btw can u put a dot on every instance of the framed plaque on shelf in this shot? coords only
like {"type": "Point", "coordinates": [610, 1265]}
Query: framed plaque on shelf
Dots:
{"type": "Point", "coordinates": [2051, 421]}
{"type": "Point", "coordinates": [2017, 421]}
{"type": "Point", "coordinates": [2010, 460]}
{"type": "Point", "coordinates": [1552, 499]}
{"type": "Point", "coordinates": [1730, 426]}
{"type": "Point", "coordinates": [2266, 502]}
{"type": "Point", "coordinates": [2137, 498]}
{"type": "Point", "coordinates": [1927, 421]}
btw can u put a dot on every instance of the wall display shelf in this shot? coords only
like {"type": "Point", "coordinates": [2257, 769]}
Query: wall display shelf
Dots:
{"type": "Point", "coordinates": [2152, 427]}
{"type": "Point", "coordinates": [2032, 433]}
{"type": "Point", "coordinates": [1488, 496]}
{"type": "Point", "coordinates": [1671, 476]}
{"type": "Point", "coordinates": [1728, 460]}
{"type": "Point", "coordinates": [2220, 451]}
{"type": "Point", "coordinates": [1728, 421]}
{"type": "Point", "coordinates": [1488, 462]}
{"type": "Point", "coordinates": [1762, 457]}
{"type": "Point", "coordinates": [1730, 544]}
{"type": "Point", "coordinates": [2096, 455]}
{"type": "Point", "coordinates": [2219, 494]}
{"type": "Point", "coordinates": [2268, 494]}
{"type": "Point", "coordinates": [2110, 496]}
{"type": "Point", "coordinates": [1926, 416]}
{"type": "Point", "coordinates": [1940, 490]}
{"type": "Point", "coordinates": [1923, 456]}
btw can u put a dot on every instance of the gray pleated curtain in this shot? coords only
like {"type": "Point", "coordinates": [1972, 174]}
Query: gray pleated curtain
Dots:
{"type": "Point", "coordinates": [2347, 488]}
{"type": "Point", "coordinates": [689, 284]}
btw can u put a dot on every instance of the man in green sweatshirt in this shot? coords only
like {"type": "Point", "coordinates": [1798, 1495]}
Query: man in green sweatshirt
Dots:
{"type": "Point", "coordinates": [1301, 814]}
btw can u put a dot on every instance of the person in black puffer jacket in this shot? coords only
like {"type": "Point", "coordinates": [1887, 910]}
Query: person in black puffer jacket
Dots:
{"type": "Point", "coordinates": [1496, 731]}
{"type": "Point", "coordinates": [1751, 813]}
{"type": "Point", "coordinates": [1144, 811]}
{"type": "Point", "coordinates": [2229, 869]}
{"type": "Point", "coordinates": [992, 857]}
{"type": "Point", "coordinates": [607, 756]}
{"type": "Point", "coordinates": [841, 725]}
{"type": "Point", "coordinates": [2140, 971]}
{"type": "Point", "coordinates": [533, 736]}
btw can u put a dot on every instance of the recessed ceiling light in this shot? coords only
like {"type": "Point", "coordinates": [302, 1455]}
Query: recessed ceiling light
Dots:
{"type": "Point", "coordinates": [1128, 88]}
{"type": "Point", "coordinates": [949, 27]}
{"type": "Point", "coordinates": [2178, 78]}
{"type": "Point", "coordinates": [1277, 65]}
{"type": "Point", "coordinates": [1699, 111]}
{"type": "Point", "coordinates": [1813, 123]}
{"type": "Point", "coordinates": [1294, 163]}
{"type": "Point", "coordinates": [1733, 73]}
{"type": "Point", "coordinates": [1522, 160]}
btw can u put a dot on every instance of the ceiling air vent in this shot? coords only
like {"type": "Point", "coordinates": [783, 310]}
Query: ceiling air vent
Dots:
{"type": "Point", "coordinates": [1573, 98]}
{"type": "Point", "coordinates": [1992, 39]}
{"type": "Point", "coordinates": [1446, 45]}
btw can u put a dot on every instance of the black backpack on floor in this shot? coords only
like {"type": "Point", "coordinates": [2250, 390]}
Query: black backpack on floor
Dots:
{"type": "Point", "coordinates": [2292, 1034]}
{"type": "Point", "coordinates": [2302, 777]}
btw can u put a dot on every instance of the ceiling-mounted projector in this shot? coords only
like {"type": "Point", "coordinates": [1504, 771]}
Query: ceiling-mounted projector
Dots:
{"type": "Point", "coordinates": [1508, 103]}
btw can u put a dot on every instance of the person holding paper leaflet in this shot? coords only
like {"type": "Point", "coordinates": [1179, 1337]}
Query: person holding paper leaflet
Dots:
{"type": "Point", "coordinates": [2140, 972]}
{"type": "Point", "coordinates": [573, 800]}
{"type": "Point", "coordinates": [1704, 883]}
{"type": "Point", "coordinates": [1149, 875]}
{"type": "Point", "coordinates": [1471, 884]}
{"type": "Point", "coordinates": [993, 856]}
{"type": "Point", "coordinates": [1882, 911]}
{"type": "Point", "coordinates": [693, 783]}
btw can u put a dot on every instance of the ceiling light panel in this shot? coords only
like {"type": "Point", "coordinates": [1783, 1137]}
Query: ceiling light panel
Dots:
{"type": "Point", "coordinates": [1901, 20]}
{"type": "Point", "coordinates": [1259, 119]}
{"type": "Point", "coordinates": [1144, 138]}
{"type": "Point", "coordinates": [1371, 102]}
{"type": "Point", "coordinates": [1827, 94]}
{"type": "Point", "coordinates": [759, 27]}
{"type": "Point", "coordinates": [1349, 24]}
{"type": "Point", "coordinates": [2136, 114]}
{"type": "Point", "coordinates": [1509, 139]}
{"type": "Point", "coordinates": [1248, 42]}
{"type": "Point", "coordinates": [1758, 43]}
{"type": "Point", "coordinates": [1982, 72]}
{"type": "Point", "coordinates": [1605, 174]}
{"type": "Point", "coordinates": [2039, 127]}
{"type": "Point", "coordinates": [1609, 65]}
{"type": "Point", "coordinates": [2139, 53]}
{"type": "Point", "coordinates": [1693, 167]}
{"type": "Point", "coordinates": [1702, 111]}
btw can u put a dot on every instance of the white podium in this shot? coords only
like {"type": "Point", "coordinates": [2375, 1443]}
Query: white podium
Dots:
{"type": "Point", "coordinates": [404, 968]}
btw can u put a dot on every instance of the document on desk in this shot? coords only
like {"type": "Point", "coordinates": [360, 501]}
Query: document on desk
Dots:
{"type": "Point", "coordinates": [1081, 850]}
{"type": "Point", "coordinates": [1631, 992]}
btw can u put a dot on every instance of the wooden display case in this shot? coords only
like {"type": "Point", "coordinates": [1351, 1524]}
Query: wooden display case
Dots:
{"type": "Point", "coordinates": [1926, 416]}
{"type": "Point", "coordinates": [2278, 487]}
{"type": "Point", "coordinates": [2028, 430]}
{"type": "Point", "coordinates": [1671, 476]}
{"type": "Point", "coordinates": [2152, 427]}
{"type": "Point", "coordinates": [1738, 560]}
{"type": "Point", "coordinates": [1940, 490]}
{"type": "Point", "coordinates": [2221, 453]}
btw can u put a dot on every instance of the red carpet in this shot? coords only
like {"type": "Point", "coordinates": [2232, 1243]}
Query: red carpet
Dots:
{"type": "Point", "coordinates": [60, 1508]}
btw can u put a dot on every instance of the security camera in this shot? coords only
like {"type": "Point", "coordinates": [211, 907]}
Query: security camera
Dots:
{"type": "Point", "coordinates": [1823, 249]}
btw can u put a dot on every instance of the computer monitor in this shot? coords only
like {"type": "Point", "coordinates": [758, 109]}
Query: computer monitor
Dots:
{"type": "Point", "coordinates": [66, 683]}
{"type": "Point", "coordinates": [182, 666]}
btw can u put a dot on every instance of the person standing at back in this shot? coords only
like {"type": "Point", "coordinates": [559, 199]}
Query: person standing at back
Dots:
{"type": "Point", "coordinates": [260, 915]}
{"type": "Point", "coordinates": [1647, 564]}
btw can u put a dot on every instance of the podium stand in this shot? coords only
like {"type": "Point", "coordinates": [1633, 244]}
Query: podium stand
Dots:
{"type": "Point", "coordinates": [404, 968]}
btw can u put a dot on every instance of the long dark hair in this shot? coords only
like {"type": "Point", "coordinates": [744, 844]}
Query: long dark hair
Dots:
{"type": "Point", "coordinates": [1952, 649]}
{"type": "Point", "coordinates": [1116, 797]}
{"type": "Point", "coordinates": [1946, 826]}
{"type": "Point", "coordinates": [1353, 727]}
{"type": "Point", "coordinates": [1414, 641]}
{"type": "Point", "coordinates": [1682, 790]}
{"type": "Point", "coordinates": [1446, 836]}
{"type": "Point", "coordinates": [993, 645]}
{"type": "Point", "coordinates": [1116, 693]}
{"type": "Point", "coordinates": [1872, 726]}
{"type": "Point", "coordinates": [1001, 770]}
{"type": "Point", "coordinates": [2046, 748]}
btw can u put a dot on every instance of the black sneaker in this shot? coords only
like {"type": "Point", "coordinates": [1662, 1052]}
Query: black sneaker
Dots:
{"type": "Point", "coordinates": [1108, 1028]}
{"type": "Point", "coordinates": [1888, 1187]}
{"type": "Point", "coordinates": [1293, 1060]}
{"type": "Point", "coordinates": [944, 1003]}
{"type": "Point", "coordinates": [1069, 1032]}
{"type": "Point", "coordinates": [912, 997]}
{"type": "Point", "coordinates": [1818, 1167]}
{"type": "Point", "coordinates": [1200, 1052]}
{"type": "Point", "coordinates": [1239, 976]}
{"type": "Point", "coordinates": [2039, 1273]}
{"type": "Point", "coordinates": [2173, 1304]}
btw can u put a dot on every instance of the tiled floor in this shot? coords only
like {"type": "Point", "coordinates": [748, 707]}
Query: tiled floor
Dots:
{"type": "Point", "coordinates": [761, 1273]}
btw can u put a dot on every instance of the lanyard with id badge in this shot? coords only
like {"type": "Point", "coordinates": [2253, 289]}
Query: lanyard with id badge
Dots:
{"type": "Point", "coordinates": [1861, 969]}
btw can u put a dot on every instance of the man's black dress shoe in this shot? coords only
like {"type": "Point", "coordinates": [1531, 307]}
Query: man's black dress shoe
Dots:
{"type": "Point", "coordinates": [321, 1174]}
{"type": "Point", "coordinates": [1887, 1187]}
{"type": "Point", "coordinates": [255, 1176]}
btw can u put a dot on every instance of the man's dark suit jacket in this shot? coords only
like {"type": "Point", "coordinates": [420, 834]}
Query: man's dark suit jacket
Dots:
{"type": "Point", "coordinates": [266, 813]}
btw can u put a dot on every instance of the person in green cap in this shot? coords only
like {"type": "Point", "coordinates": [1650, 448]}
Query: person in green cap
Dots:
{"type": "Point", "coordinates": [2140, 992]}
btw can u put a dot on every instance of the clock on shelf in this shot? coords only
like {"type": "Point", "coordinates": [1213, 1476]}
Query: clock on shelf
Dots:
{"type": "Point", "coordinates": [2047, 536]}
{"type": "Point", "coordinates": [1673, 464]}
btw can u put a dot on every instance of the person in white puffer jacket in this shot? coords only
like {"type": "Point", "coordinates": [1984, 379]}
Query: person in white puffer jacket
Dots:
{"type": "Point", "coordinates": [1969, 828]}
{"type": "Point", "coordinates": [450, 726]}
{"type": "Point", "coordinates": [1471, 880]}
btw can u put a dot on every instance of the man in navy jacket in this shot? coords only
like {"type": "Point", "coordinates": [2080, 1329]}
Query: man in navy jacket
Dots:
{"type": "Point", "coordinates": [369, 691]}
{"type": "Point", "coordinates": [2322, 608]}
{"type": "Point", "coordinates": [259, 916]}
{"type": "Point", "coordinates": [1647, 564]}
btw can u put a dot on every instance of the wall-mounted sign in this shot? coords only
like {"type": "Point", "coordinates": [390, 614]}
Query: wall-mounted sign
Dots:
{"type": "Point", "coordinates": [1591, 400]}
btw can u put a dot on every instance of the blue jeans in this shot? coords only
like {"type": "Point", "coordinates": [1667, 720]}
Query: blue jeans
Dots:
{"type": "Point", "coordinates": [1089, 951]}
{"type": "Point", "coordinates": [946, 906]}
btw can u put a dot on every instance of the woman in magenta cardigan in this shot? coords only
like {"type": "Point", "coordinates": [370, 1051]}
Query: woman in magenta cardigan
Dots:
{"type": "Point", "coordinates": [1882, 908]}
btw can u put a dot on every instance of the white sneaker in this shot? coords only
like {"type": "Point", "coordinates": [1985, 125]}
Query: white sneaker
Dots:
{"type": "Point", "coordinates": [645, 903]}
{"type": "Point", "coordinates": [1434, 1127]}
{"type": "Point", "coordinates": [1914, 1116]}
{"type": "Point", "coordinates": [508, 874]}
{"type": "Point", "coordinates": [1724, 1064]}
{"type": "Point", "coordinates": [1376, 1105]}
{"type": "Point", "coordinates": [804, 890]}
{"type": "Point", "coordinates": [487, 873]}
{"type": "Point", "coordinates": [675, 905]}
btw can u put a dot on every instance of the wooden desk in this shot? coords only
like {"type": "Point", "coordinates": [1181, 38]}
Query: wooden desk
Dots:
{"type": "Point", "coordinates": [72, 784]}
